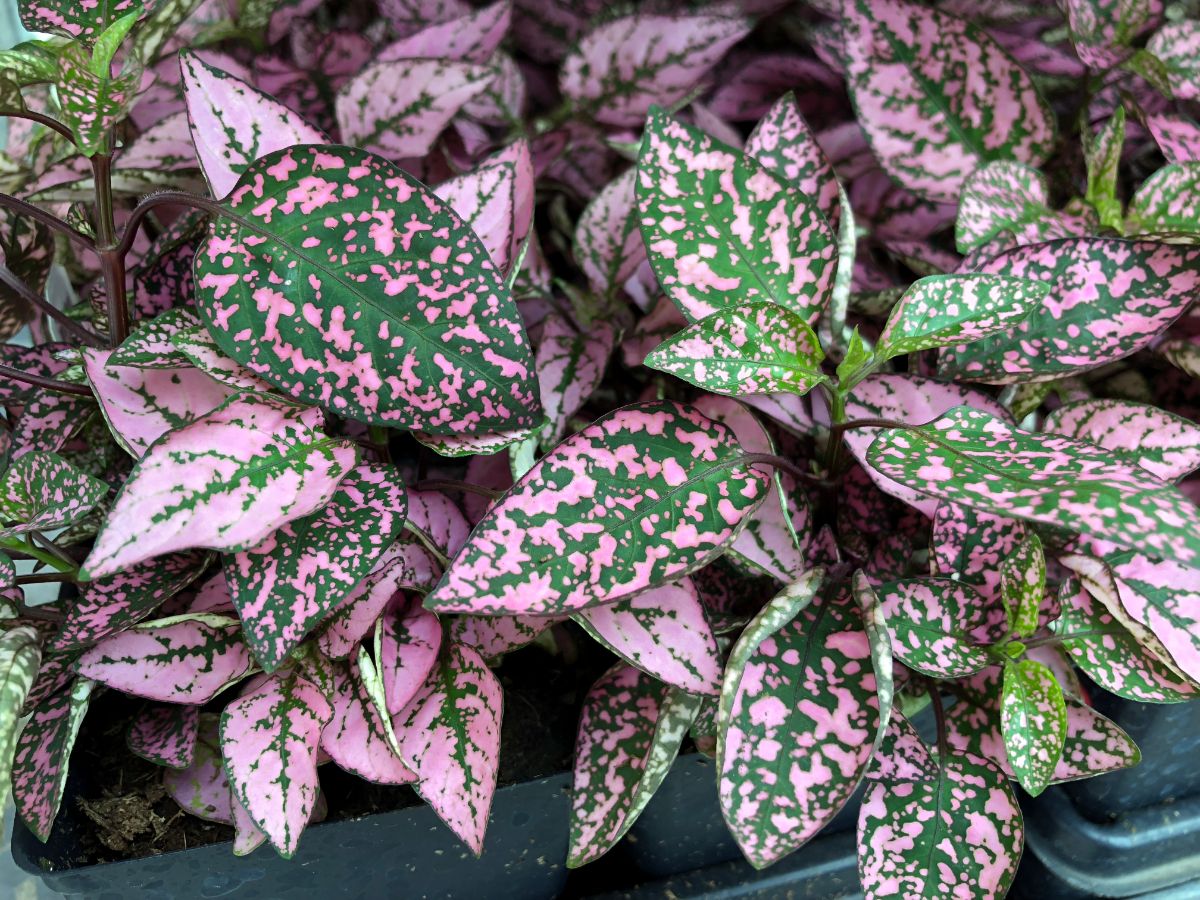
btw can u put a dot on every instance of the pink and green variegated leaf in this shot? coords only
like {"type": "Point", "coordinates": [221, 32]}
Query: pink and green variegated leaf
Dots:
{"type": "Point", "coordinates": [199, 348]}
{"type": "Point", "coordinates": [43, 492]}
{"type": "Point", "coordinates": [1177, 47]}
{"type": "Point", "coordinates": [40, 360]}
{"type": "Point", "coordinates": [150, 346]}
{"type": "Point", "coordinates": [201, 787]}
{"type": "Point", "coordinates": [1163, 596]}
{"type": "Point", "coordinates": [233, 124]}
{"type": "Point", "coordinates": [20, 657]}
{"type": "Point", "coordinates": [410, 343]}
{"type": "Point", "coordinates": [1183, 353]}
{"type": "Point", "coordinates": [902, 755]}
{"type": "Point", "coordinates": [608, 243]}
{"type": "Point", "coordinates": [759, 348]}
{"type": "Point", "coordinates": [957, 833]}
{"type": "Point", "coordinates": [485, 199]}
{"type": "Point", "coordinates": [974, 459]}
{"type": "Point", "coordinates": [1111, 655]}
{"type": "Point", "coordinates": [640, 497]}
{"type": "Point", "coordinates": [141, 405]}
{"type": "Point", "coordinates": [82, 20]}
{"type": "Point", "coordinates": [621, 68]}
{"type": "Point", "coordinates": [356, 736]}
{"type": "Point", "coordinates": [182, 659]}
{"type": "Point", "coordinates": [906, 398]}
{"type": "Point", "coordinates": [288, 584]}
{"type": "Point", "coordinates": [1162, 443]}
{"type": "Point", "coordinates": [48, 422]}
{"type": "Point", "coordinates": [570, 366]}
{"type": "Point", "coordinates": [665, 633]}
{"type": "Point", "coordinates": [784, 143]}
{"type": "Point", "coordinates": [212, 596]}
{"type": "Point", "coordinates": [1033, 720]}
{"type": "Point", "coordinates": [248, 837]}
{"type": "Point", "coordinates": [111, 604]}
{"type": "Point", "coordinates": [397, 109]}
{"type": "Point", "coordinates": [630, 730]}
{"type": "Point", "coordinates": [56, 672]}
{"type": "Point", "coordinates": [92, 104]}
{"type": "Point", "coordinates": [1166, 201]}
{"type": "Point", "coordinates": [1108, 298]}
{"type": "Point", "coordinates": [935, 624]}
{"type": "Point", "coordinates": [880, 641]}
{"type": "Point", "coordinates": [1101, 30]}
{"type": "Point", "coordinates": [771, 541]}
{"type": "Point", "coordinates": [472, 444]}
{"type": "Point", "coordinates": [929, 132]}
{"type": "Point", "coordinates": [410, 16]}
{"type": "Point", "coordinates": [408, 639]}
{"type": "Point", "coordinates": [225, 481]}
{"type": "Point", "coordinates": [39, 766]}
{"type": "Point", "coordinates": [795, 738]}
{"type": "Point", "coordinates": [405, 566]}
{"type": "Point", "coordinates": [439, 520]}
{"type": "Point", "coordinates": [165, 734]}
{"type": "Point", "coordinates": [697, 198]}
{"type": "Point", "coordinates": [1023, 585]}
{"type": "Point", "coordinates": [494, 636]}
{"type": "Point", "coordinates": [944, 310]}
{"type": "Point", "coordinates": [468, 38]}
{"type": "Point", "coordinates": [1102, 153]}
{"type": "Point", "coordinates": [1177, 137]}
{"type": "Point", "coordinates": [269, 740]}
{"type": "Point", "coordinates": [969, 545]}
{"type": "Point", "coordinates": [450, 736]}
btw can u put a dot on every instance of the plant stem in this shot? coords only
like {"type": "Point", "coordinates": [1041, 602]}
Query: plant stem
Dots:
{"type": "Point", "coordinates": [28, 549]}
{"type": "Point", "coordinates": [840, 427]}
{"type": "Point", "coordinates": [165, 198]}
{"type": "Point", "coordinates": [46, 578]}
{"type": "Point", "coordinates": [112, 256]}
{"type": "Point", "coordinates": [939, 714]}
{"type": "Point", "coordinates": [42, 119]}
{"type": "Point", "coordinates": [52, 222]}
{"type": "Point", "coordinates": [50, 384]}
{"type": "Point", "coordinates": [32, 297]}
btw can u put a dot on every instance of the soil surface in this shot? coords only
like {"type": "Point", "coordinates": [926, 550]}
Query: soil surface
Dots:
{"type": "Point", "coordinates": [116, 807]}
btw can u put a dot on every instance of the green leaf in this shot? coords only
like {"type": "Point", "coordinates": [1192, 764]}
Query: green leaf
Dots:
{"type": "Point", "coordinates": [856, 362]}
{"type": "Point", "coordinates": [1169, 200]}
{"type": "Point", "coordinates": [1033, 718]}
{"type": "Point", "coordinates": [33, 62]}
{"type": "Point", "coordinates": [110, 41]}
{"type": "Point", "coordinates": [371, 319]}
{"type": "Point", "coordinates": [1023, 585]}
{"type": "Point", "coordinates": [760, 348]}
{"type": "Point", "coordinates": [1103, 157]}
{"type": "Point", "coordinates": [20, 656]}
{"type": "Point", "coordinates": [90, 104]}
{"type": "Point", "coordinates": [1157, 73]}
{"type": "Point", "coordinates": [943, 310]}
{"type": "Point", "coordinates": [161, 25]}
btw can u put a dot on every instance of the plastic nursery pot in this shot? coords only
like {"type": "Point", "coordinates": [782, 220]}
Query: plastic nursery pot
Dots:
{"type": "Point", "coordinates": [403, 853]}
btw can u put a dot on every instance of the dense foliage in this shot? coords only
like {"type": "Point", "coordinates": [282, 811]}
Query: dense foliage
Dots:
{"type": "Point", "coordinates": [397, 336]}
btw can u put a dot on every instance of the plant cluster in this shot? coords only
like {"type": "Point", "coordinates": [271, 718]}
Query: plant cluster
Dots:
{"type": "Point", "coordinates": [824, 362]}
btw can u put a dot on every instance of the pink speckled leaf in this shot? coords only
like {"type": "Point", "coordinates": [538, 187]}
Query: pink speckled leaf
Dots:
{"type": "Point", "coordinates": [902, 755]}
{"type": "Point", "coordinates": [387, 333]}
{"type": "Point", "coordinates": [1162, 596]}
{"type": "Point", "coordinates": [493, 636]}
{"type": "Point", "coordinates": [972, 458]}
{"type": "Point", "coordinates": [1177, 137]}
{"type": "Point", "coordinates": [436, 517]}
{"type": "Point", "coordinates": [1023, 585]}
{"type": "Point", "coordinates": [944, 310]}
{"type": "Point", "coordinates": [269, 739]}
{"type": "Point", "coordinates": [141, 405]}
{"type": "Point", "coordinates": [1108, 298]}
{"type": "Point", "coordinates": [83, 20]}
{"type": "Point", "coordinates": [570, 365]}
{"type": "Point", "coordinates": [39, 360]}
{"type": "Point", "coordinates": [39, 766]}
{"type": "Point", "coordinates": [92, 103]}
{"type": "Point", "coordinates": [795, 740]}
{"type": "Point", "coordinates": [783, 142]}
{"type": "Point", "coordinates": [233, 124]}
{"type": "Point", "coordinates": [408, 639]}
{"type": "Point", "coordinates": [665, 633]}
{"type": "Point", "coordinates": [410, 16]}
{"type": "Point", "coordinates": [1162, 443]}
{"type": "Point", "coordinates": [150, 344]}
{"type": "Point", "coordinates": [165, 734]}
{"type": "Point", "coordinates": [286, 585]}
{"type": "Point", "coordinates": [608, 243]}
{"type": "Point", "coordinates": [199, 349]}
{"type": "Point", "coordinates": [1166, 201]}
{"type": "Point", "coordinates": [450, 736]}
{"type": "Point", "coordinates": [629, 734]}
{"type": "Point", "coordinates": [621, 68]}
{"type": "Point", "coordinates": [750, 81]}
{"type": "Point", "coordinates": [956, 834]}
{"type": "Point", "coordinates": [201, 787]}
{"type": "Point", "coordinates": [1177, 47]}
{"type": "Point", "coordinates": [928, 131]}
{"type": "Point", "coordinates": [405, 566]}
{"type": "Point", "coordinates": [760, 348]}
{"type": "Point", "coordinates": [42, 492]}
{"type": "Point", "coordinates": [485, 199]}
{"type": "Point", "coordinates": [190, 490]}
{"type": "Point", "coordinates": [969, 545]}
{"type": "Point", "coordinates": [484, 444]}
{"type": "Point", "coordinates": [467, 38]}
{"type": "Point", "coordinates": [1111, 655]}
{"type": "Point", "coordinates": [111, 604]}
{"type": "Point", "coordinates": [356, 736]}
{"type": "Point", "coordinates": [183, 659]}
{"type": "Point", "coordinates": [1033, 719]}
{"type": "Point", "coordinates": [697, 199]}
{"type": "Point", "coordinates": [397, 109]}
{"type": "Point", "coordinates": [640, 497]}
{"type": "Point", "coordinates": [934, 624]}
{"type": "Point", "coordinates": [1102, 30]}
{"type": "Point", "coordinates": [47, 422]}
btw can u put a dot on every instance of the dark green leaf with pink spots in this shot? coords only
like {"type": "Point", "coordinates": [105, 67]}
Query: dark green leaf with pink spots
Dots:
{"type": "Point", "coordinates": [1033, 719]}
{"type": "Point", "coordinates": [42, 491]}
{"type": "Point", "coordinates": [936, 624]}
{"type": "Point", "coordinates": [1023, 585]}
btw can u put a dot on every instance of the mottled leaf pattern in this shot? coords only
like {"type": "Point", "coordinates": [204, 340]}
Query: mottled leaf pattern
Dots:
{"type": "Point", "coordinates": [84, 20]}
{"type": "Point", "coordinates": [1177, 46]}
{"type": "Point", "coordinates": [1023, 584]}
{"type": "Point", "coordinates": [608, 242]}
{"type": "Point", "coordinates": [20, 657]}
{"type": "Point", "coordinates": [150, 344]}
{"type": "Point", "coordinates": [1033, 718]}
{"type": "Point", "coordinates": [42, 492]}
{"type": "Point", "coordinates": [1160, 442]}
{"type": "Point", "coordinates": [644, 495]}
{"type": "Point", "coordinates": [408, 640]}
{"type": "Point", "coordinates": [356, 736]}
{"type": "Point", "coordinates": [485, 199]}
{"type": "Point", "coordinates": [165, 734]}
{"type": "Point", "coordinates": [969, 545]}
{"type": "Point", "coordinates": [934, 623]}
{"type": "Point", "coordinates": [697, 199]}
{"type": "Point", "coordinates": [1177, 137]}
{"type": "Point", "coordinates": [371, 339]}
{"type": "Point", "coordinates": [1166, 201]}
{"type": "Point", "coordinates": [225, 482]}
{"type": "Point", "coordinates": [570, 365]}
{"type": "Point", "coordinates": [783, 142]}
{"type": "Point", "coordinates": [1006, 200]}
{"type": "Point", "coordinates": [201, 787]}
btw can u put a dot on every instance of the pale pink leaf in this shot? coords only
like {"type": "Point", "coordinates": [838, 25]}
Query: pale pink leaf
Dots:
{"type": "Point", "coordinates": [408, 639]}
{"type": "Point", "coordinates": [355, 737]}
{"type": "Point", "coordinates": [469, 38]}
{"type": "Point", "coordinates": [485, 200]}
{"type": "Point", "coordinates": [165, 734]}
